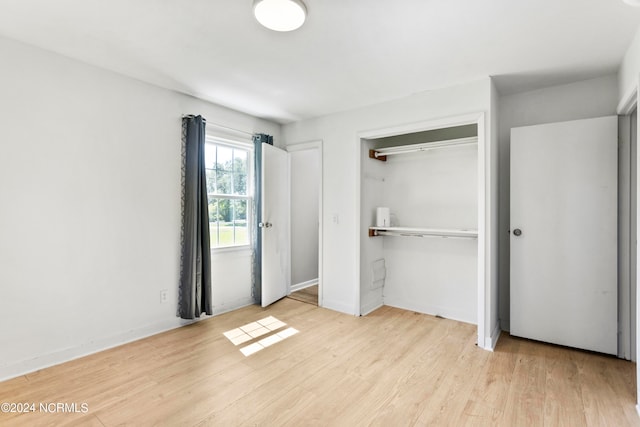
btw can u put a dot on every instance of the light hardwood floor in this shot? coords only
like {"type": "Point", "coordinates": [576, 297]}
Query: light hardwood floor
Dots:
{"type": "Point", "coordinates": [308, 295]}
{"type": "Point", "coordinates": [390, 368]}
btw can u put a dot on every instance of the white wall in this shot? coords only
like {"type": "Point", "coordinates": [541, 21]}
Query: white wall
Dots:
{"type": "Point", "coordinates": [586, 99]}
{"type": "Point", "coordinates": [305, 179]}
{"type": "Point", "coordinates": [90, 218]}
{"type": "Point", "coordinates": [341, 176]}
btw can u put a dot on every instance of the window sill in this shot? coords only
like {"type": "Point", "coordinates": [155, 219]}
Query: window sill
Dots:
{"type": "Point", "coordinates": [232, 250]}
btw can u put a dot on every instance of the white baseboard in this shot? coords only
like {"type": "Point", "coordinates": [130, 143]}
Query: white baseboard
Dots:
{"type": "Point", "coordinates": [370, 307]}
{"type": "Point", "coordinates": [234, 305]}
{"type": "Point", "coordinates": [446, 312]}
{"type": "Point", "coordinates": [47, 360]}
{"type": "Point", "coordinates": [60, 356]}
{"type": "Point", "coordinates": [340, 306]}
{"type": "Point", "coordinates": [303, 285]}
{"type": "Point", "coordinates": [493, 339]}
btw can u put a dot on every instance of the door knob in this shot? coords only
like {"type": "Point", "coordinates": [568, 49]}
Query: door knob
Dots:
{"type": "Point", "coordinates": [517, 232]}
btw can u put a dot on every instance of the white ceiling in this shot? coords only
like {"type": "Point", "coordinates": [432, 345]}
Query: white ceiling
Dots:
{"type": "Point", "coordinates": [349, 53]}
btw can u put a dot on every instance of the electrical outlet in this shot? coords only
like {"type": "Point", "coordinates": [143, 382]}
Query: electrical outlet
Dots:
{"type": "Point", "coordinates": [164, 295]}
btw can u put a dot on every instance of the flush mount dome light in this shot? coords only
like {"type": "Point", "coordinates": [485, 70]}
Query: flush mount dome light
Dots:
{"type": "Point", "coordinates": [280, 15]}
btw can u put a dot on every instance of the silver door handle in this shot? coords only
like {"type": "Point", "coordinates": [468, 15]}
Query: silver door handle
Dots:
{"type": "Point", "coordinates": [265, 225]}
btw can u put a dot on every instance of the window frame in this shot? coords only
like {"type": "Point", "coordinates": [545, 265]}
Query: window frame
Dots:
{"type": "Point", "coordinates": [247, 146]}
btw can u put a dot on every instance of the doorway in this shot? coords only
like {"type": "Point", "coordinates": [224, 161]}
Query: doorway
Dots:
{"type": "Point", "coordinates": [305, 166]}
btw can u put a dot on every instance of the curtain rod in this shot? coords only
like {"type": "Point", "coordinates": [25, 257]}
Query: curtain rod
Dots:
{"type": "Point", "coordinates": [231, 129]}
{"type": "Point", "coordinates": [191, 116]}
{"type": "Point", "coordinates": [221, 126]}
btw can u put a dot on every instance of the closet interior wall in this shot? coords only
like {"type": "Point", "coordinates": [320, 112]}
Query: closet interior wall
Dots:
{"type": "Point", "coordinates": [371, 249]}
{"type": "Point", "coordinates": [430, 189]}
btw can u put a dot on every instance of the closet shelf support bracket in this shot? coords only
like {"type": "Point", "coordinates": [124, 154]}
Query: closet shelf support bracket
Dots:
{"type": "Point", "coordinates": [373, 154]}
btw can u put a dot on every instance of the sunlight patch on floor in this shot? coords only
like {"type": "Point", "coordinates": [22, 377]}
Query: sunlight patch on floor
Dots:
{"type": "Point", "coordinates": [268, 341]}
{"type": "Point", "coordinates": [257, 329]}
{"type": "Point", "coordinates": [253, 330]}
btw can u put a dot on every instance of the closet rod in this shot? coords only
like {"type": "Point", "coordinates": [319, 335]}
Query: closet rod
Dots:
{"type": "Point", "coordinates": [379, 153]}
{"type": "Point", "coordinates": [442, 236]}
{"type": "Point", "coordinates": [421, 231]}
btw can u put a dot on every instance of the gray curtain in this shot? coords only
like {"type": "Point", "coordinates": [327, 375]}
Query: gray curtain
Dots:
{"type": "Point", "coordinates": [258, 140]}
{"type": "Point", "coordinates": [194, 297]}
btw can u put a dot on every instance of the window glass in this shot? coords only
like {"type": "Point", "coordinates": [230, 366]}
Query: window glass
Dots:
{"type": "Point", "coordinates": [228, 188]}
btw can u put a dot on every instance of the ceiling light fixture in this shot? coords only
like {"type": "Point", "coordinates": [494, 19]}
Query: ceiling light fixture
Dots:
{"type": "Point", "coordinates": [280, 15]}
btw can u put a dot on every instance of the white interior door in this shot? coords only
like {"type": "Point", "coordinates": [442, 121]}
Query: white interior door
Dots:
{"type": "Point", "coordinates": [564, 233]}
{"type": "Point", "coordinates": [275, 224]}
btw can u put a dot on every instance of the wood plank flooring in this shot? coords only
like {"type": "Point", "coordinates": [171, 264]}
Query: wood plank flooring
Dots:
{"type": "Point", "coordinates": [390, 368]}
{"type": "Point", "coordinates": [308, 295]}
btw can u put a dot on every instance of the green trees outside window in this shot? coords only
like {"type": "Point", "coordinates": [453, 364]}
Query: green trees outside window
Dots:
{"type": "Point", "coordinates": [229, 194]}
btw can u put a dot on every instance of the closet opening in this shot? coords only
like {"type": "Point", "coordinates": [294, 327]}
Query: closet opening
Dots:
{"type": "Point", "coordinates": [422, 220]}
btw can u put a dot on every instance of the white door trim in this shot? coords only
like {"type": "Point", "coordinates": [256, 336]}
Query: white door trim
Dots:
{"type": "Point", "coordinates": [628, 102]}
{"type": "Point", "coordinates": [624, 238]}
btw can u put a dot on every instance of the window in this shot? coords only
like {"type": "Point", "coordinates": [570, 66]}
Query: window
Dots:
{"type": "Point", "coordinates": [229, 171]}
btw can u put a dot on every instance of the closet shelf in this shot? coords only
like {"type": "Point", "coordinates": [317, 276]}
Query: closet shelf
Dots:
{"type": "Point", "coordinates": [422, 232]}
{"type": "Point", "coordinates": [382, 153]}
